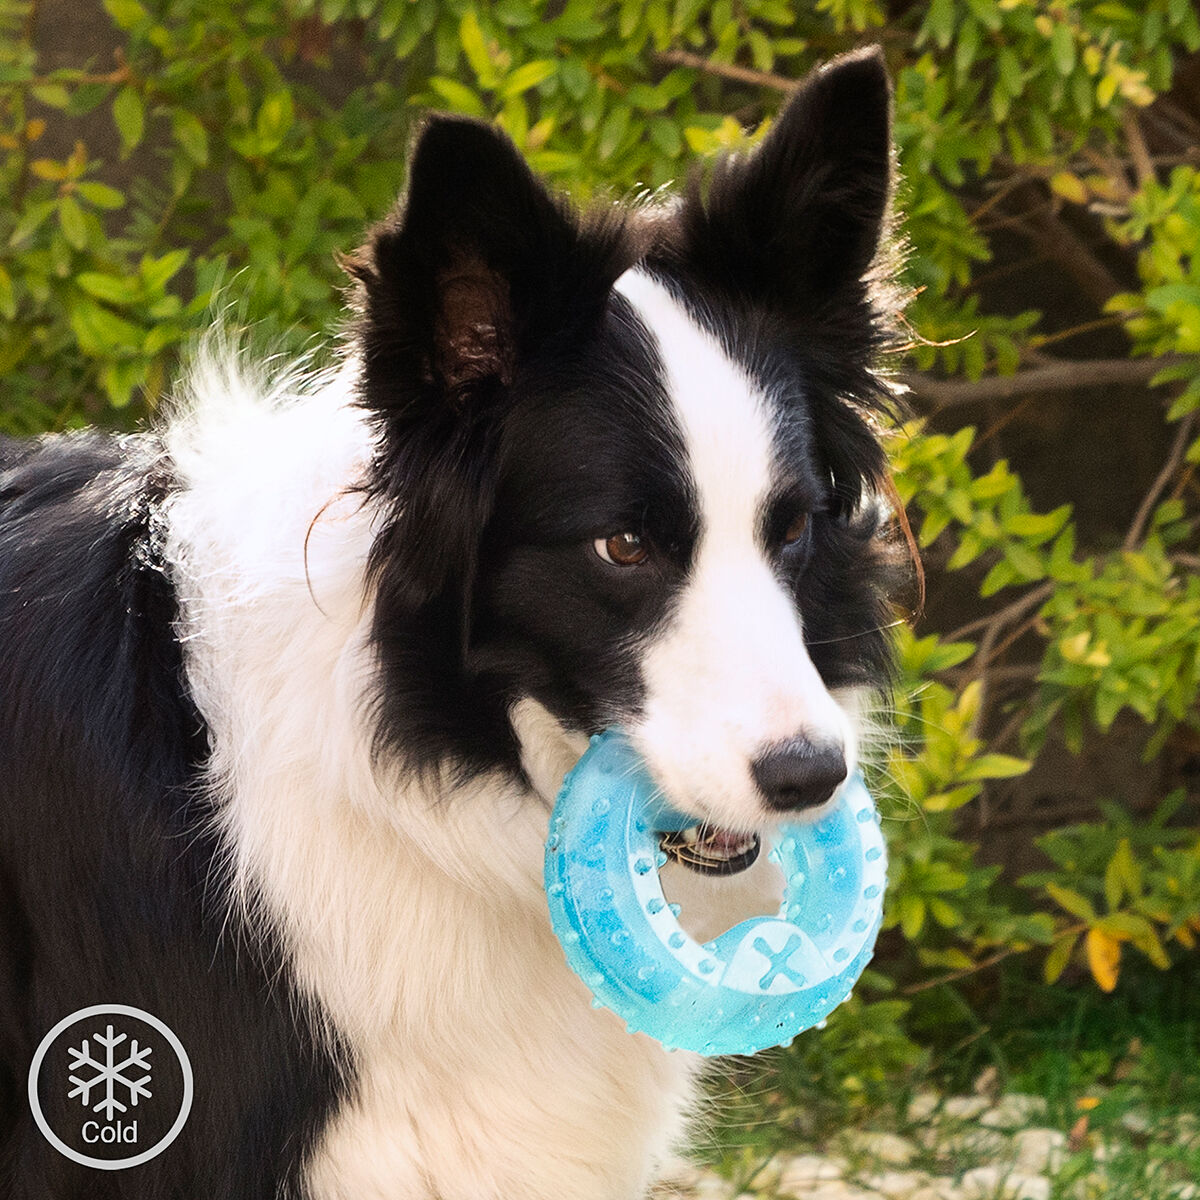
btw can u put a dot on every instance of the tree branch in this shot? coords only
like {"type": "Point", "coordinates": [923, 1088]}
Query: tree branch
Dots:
{"type": "Point", "coordinates": [983, 964]}
{"type": "Point", "coordinates": [1183, 436]}
{"type": "Point", "coordinates": [1042, 225]}
{"type": "Point", "coordinates": [1142, 165]}
{"type": "Point", "coordinates": [1003, 617]}
{"type": "Point", "coordinates": [684, 58]}
{"type": "Point", "coordinates": [1055, 376]}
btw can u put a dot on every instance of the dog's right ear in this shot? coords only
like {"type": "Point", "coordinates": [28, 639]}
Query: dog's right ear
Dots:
{"type": "Point", "coordinates": [478, 269]}
{"type": "Point", "coordinates": [478, 265]}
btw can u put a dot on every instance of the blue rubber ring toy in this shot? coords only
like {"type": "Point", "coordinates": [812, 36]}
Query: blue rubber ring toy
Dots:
{"type": "Point", "coordinates": [759, 983]}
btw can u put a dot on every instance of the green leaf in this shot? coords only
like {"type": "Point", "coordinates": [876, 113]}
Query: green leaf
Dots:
{"type": "Point", "coordinates": [995, 766]}
{"type": "Point", "coordinates": [110, 288]}
{"type": "Point", "coordinates": [53, 95]}
{"type": "Point", "coordinates": [1077, 905]}
{"type": "Point", "coordinates": [969, 548]}
{"type": "Point", "coordinates": [613, 131]}
{"type": "Point", "coordinates": [470, 36]}
{"type": "Point", "coordinates": [1170, 294]}
{"type": "Point", "coordinates": [1114, 888]}
{"type": "Point", "coordinates": [946, 915]}
{"type": "Point", "coordinates": [527, 76]}
{"type": "Point", "coordinates": [8, 296]}
{"type": "Point", "coordinates": [950, 800]}
{"type": "Point", "coordinates": [31, 220]}
{"type": "Point", "coordinates": [1059, 956]}
{"type": "Point", "coordinates": [940, 21]}
{"type": "Point", "coordinates": [129, 115]}
{"type": "Point", "coordinates": [119, 379]}
{"type": "Point", "coordinates": [1062, 48]}
{"type": "Point", "coordinates": [459, 97]}
{"type": "Point", "coordinates": [72, 222]}
{"type": "Point", "coordinates": [1002, 575]}
{"type": "Point", "coordinates": [948, 654]}
{"type": "Point", "coordinates": [1039, 525]}
{"type": "Point", "coordinates": [1024, 561]}
{"type": "Point", "coordinates": [191, 136]}
{"type": "Point", "coordinates": [1127, 868]}
{"type": "Point", "coordinates": [126, 13]}
{"type": "Point", "coordinates": [1109, 702]}
{"type": "Point", "coordinates": [912, 916]}
{"type": "Point", "coordinates": [100, 195]}
{"type": "Point", "coordinates": [275, 118]}
{"type": "Point", "coordinates": [101, 333]}
{"type": "Point", "coordinates": [664, 133]}
{"type": "Point", "coordinates": [156, 272]}
{"type": "Point", "coordinates": [967, 48]}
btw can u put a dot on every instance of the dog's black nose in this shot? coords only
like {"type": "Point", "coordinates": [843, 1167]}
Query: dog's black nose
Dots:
{"type": "Point", "coordinates": [799, 774]}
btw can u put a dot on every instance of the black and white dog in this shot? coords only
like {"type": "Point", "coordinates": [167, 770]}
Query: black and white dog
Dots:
{"type": "Point", "coordinates": [287, 687]}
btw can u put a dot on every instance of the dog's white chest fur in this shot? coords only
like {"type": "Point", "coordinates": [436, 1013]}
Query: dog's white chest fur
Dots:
{"type": "Point", "coordinates": [413, 916]}
{"type": "Point", "coordinates": [506, 1083]}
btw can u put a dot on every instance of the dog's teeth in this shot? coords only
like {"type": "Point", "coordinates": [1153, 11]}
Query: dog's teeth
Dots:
{"type": "Point", "coordinates": [691, 835]}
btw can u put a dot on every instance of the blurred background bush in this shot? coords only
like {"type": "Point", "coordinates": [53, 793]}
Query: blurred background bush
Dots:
{"type": "Point", "coordinates": [167, 161]}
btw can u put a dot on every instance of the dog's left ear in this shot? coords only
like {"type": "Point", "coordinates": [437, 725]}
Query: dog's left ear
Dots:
{"type": "Point", "coordinates": [799, 221]}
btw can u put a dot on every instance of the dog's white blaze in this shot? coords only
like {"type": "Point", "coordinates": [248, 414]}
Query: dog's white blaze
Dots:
{"type": "Point", "coordinates": [415, 921]}
{"type": "Point", "coordinates": [730, 673]}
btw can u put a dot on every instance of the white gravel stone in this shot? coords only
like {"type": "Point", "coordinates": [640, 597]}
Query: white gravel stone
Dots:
{"type": "Point", "coordinates": [1185, 1191]}
{"type": "Point", "coordinates": [971, 1143]}
{"type": "Point", "coordinates": [896, 1185]}
{"type": "Point", "coordinates": [840, 1190]}
{"type": "Point", "coordinates": [1014, 1110]}
{"type": "Point", "coordinates": [710, 1187]}
{"type": "Point", "coordinates": [889, 1148]}
{"type": "Point", "coordinates": [965, 1108]}
{"type": "Point", "coordinates": [922, 1106]}
{"type": "Point", "coordinates": [805, 1170]}
{"type": "Point", "coordinates": [1039, 1150]}
{"type": "Point", "coordinates": [1136, 1122]}
{"type": "Point", "coordinates": [984, 1183]}
{"type": "Point", "coordinates": [1028, 1187]}
{"type": "Point", "coordinates": [938, 1189]}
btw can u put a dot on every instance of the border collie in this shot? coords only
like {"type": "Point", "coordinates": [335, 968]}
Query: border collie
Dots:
{"type": "Point", "coordinates": [288, 686]}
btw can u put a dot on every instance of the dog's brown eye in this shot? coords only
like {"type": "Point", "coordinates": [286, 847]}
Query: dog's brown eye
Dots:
{"type": "Point", "coordinates": [622, 549]}
{"type": "Point", "coordinates": [795, 531]}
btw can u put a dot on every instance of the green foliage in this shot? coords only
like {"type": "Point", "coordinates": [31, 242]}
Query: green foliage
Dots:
{"type": "Point", "coordinates": [1135, 882]}
{"type": "Point", "coordinates": [230, 151]}
{"type": "Point", "coordinates": [1164, 318]}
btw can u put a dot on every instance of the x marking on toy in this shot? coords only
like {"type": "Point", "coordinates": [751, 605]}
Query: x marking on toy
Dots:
{"type": "Point", "coordinates": [779, 961]}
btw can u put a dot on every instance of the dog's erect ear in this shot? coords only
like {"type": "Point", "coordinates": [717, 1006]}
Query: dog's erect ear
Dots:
{"type": "Point", "coordinates": [802, 217]}
{"type": "Point", "coordinates": [477, 268]}
{"type": "Point", "coordinates": [458, 284]}
{"type": "Point", "coordinates": [477, 272]}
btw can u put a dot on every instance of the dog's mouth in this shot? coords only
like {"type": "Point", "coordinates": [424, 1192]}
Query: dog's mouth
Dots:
{"type": "Point", "coordinates": [707, 850]}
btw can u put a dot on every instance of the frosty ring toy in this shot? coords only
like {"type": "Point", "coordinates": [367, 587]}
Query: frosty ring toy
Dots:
{"type": "Point", "coordinates": [759, 983]}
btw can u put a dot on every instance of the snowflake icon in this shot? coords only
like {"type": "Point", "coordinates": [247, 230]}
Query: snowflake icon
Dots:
{"type": "Point", "coordinates": [110, 1073]}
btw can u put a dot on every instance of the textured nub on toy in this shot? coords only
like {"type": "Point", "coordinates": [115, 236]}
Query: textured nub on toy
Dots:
{"type": "Point", "coordinates": [759, 983]}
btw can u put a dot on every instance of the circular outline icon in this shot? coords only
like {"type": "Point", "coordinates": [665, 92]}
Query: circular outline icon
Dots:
{"type": "Point", "coordinates": [110, 1164]}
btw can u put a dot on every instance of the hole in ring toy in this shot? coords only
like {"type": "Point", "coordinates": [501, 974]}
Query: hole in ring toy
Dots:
{"type": "Point", "coordinates": [756, 985]}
